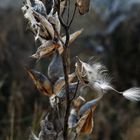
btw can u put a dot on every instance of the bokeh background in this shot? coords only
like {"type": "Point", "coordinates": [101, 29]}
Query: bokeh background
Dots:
{"type": "Point", "coordinates": [111, 33]}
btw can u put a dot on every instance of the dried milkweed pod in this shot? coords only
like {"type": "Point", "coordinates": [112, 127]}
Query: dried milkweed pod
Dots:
{"type": "Point", "coordinates": [59, 90]}
{"type": "Point", "coordinates": [28, 14]}
{"type": "Point", "coordinates": [60, 83]}
{"type": "Point", "coordinates": [89, 105]}
{"type": "Point", "coordinates": [54, 20]}
{"type": "Point", "coordinates": [39, 7]}
{"type": "Point", "coordinates": [83, 6]}
{"type": "Point", "coordinates": [55, 68]}
{"type": "Point", "coordinates": [78, 102]}
{"type": "Point", "coordinates": [62, 94]}
{"type": "Point", "coordinates": [47, 130]}
{"type": "Point", "coordinates": [85, 124]}
{"type": "Point", "coordinates": [73, 36]}
{"type": "Point", "coordinates": [73, 119]}
{"type": "Point", "coordinates": [44, 22]}
{"type": "Point", "coordinates": [41, 82]}
{"type": "Point", "coordinates": [80, 71]}
{"type": "Point", "coordinates": [45, 49]}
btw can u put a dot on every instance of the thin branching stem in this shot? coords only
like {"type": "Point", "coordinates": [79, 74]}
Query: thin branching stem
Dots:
{"type": "Point", "coordinates": [73, 16]}
{"type": "Point", "coordinates": [65, 7]}
{"type": "Point", "coordinates": [66, 27]}
{"type": "Point", "coordinates": [68, 16]}
{"type": "Point", "coordinates": [75, 91]}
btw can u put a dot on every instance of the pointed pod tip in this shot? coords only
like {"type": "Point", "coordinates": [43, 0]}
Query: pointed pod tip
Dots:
{"type": "Point", "coordinates": [34, 56]}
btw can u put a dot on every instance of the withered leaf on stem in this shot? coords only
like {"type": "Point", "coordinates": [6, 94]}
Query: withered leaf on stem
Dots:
{"type": "Point", "coordinates": [41, 82]}
{"type": "Point", "coordinates": [83, 6]}
{"type": "Point", "coordinates": [55, 68]}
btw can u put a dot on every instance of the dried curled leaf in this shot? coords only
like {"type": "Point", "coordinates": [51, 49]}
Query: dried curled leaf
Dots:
{"type": "Point", "coordinates": [83, 6]}
{"type": "Point", "coordinates": [46, 49]}
{"type": "Point", "coordinates": [55, 68]}
{"type": "Point", "coordinates": [41, 82]}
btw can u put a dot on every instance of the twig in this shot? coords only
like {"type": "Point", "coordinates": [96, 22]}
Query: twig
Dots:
{"type": "Point", "coordinates": [75, 90]}
{"type": "Point", "coordinates": [73, 15]}
{"type": "Point", "coordinates": [68, 16]}
{"type": "Point", "coordinates": [64, 9]}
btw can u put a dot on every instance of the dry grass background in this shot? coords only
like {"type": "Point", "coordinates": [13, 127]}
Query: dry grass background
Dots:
{"type": "Point", "coordinates": [21, 106]}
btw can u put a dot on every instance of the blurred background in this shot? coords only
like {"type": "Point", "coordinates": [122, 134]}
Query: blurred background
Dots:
{"type": "Point", "coordinates": [111, 33]}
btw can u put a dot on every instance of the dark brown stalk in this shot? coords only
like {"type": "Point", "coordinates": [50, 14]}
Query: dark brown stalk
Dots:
{"type": "Point", "coordinates": [66, 27]}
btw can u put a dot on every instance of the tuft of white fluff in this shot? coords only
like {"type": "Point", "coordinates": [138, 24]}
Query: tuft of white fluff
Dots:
{"type": "Point", "coordinates": [99, 79]}
{"type": "Point", "coordinates": [132, 94]}
{"type": "Point", "coordinates": [98, 76]}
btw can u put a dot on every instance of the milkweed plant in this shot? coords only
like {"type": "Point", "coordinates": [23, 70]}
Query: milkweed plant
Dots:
{"type": "Point", "coordinates": [50, 24]}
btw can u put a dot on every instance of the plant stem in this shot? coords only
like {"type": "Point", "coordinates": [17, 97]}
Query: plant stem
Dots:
{"type": "Point", "coordinates": [65, 58]}
{"type": "Point", "coordinates": [65, 67]}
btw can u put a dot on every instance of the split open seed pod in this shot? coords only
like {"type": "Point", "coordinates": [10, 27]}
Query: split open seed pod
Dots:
{"type": "Point", "coordinates": [83, 6]}
{"type": "Point", "coordinates": [46, 49]}
{"type": "Point", "coordinates": [55, 68]}
{"type": "Point", "coordinates": [41, 82]}
{"type": "Point", "coordinates": [44, 22]}
{"type": "Point", "coordinates": [85, 124]}
{"type": "Point", "coordinates": [80, 71]}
